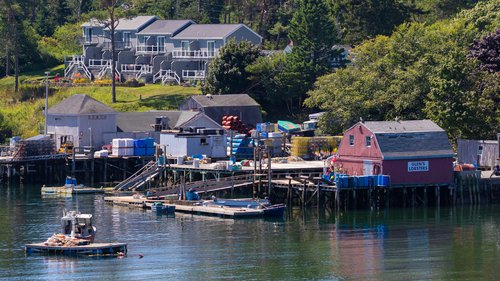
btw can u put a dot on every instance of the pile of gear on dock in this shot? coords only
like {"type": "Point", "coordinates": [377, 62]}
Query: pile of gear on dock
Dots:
{"type": "Point", "coordinates": [63, 240]}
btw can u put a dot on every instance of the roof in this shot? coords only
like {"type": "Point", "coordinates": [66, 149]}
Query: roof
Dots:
{"type": "Point", "coordinates": [209, 31]}
{"type": "Point", "coordinates": [142, 121]}
{"type": "Point", "coordinates": [165, 27]}
{"type": "Point", "coordinates": [410, 139]}
{"type": "Point", "coordinates": [80, 104]}
{"type": "Point", "coordinates": [93, 22]}
{"type": "Point", "coordinates": [224, 100]}
{"type": "Point", "coordinates": [402, 126]}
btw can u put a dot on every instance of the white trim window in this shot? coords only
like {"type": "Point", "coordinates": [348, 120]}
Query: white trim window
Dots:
{"type": "Point", "coordinates": [160, 42]}
{"type": "Point", "coordinates": [127, 39]}
{"type": "Point", "coordinates": [211, 48]}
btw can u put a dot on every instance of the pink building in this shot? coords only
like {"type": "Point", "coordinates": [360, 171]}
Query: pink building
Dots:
{"type": "Point", "coordinates": [415, 152]}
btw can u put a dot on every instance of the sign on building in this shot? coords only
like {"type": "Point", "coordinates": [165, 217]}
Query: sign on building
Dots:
{"type": "Point", "coordinates": [418, 166]}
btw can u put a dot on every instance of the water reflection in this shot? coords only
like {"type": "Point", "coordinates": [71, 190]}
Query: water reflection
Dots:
{"type": "Point", "coordinates": [395, 244]}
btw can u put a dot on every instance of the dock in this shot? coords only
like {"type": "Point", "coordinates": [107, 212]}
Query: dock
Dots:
{"type": "Point", "coordinates": [71, 191]}
{"type": "Point", "coordinates": [185, 207]}
{"type": "Point", "coordinates": [94, 249]}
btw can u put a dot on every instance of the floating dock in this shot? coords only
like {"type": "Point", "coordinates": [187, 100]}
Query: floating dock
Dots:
{"type": "Point", "coordinates": [94, 249]}
{"type": "Point", "coordinates": [186, 207]}
{"type": "Point", "coordinates": [71, 190]}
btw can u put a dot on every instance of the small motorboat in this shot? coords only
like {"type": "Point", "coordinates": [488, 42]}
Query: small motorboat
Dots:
{"type": "Point", "coordinates": [76, 238]}
{"type": "Point", "coordinates": [160, 208]}
{"type": "Point", "coordinates": [249, 203]}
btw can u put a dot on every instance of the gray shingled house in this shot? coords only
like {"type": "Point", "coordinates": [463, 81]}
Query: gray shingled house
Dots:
{"type": "Point", "coordinates": [142, 124]}
{"type": "Point", "coordinates": [82, 120]}
{"type": "Point", "coordinates": [216, 106]}
{"type": "Point", "coordinates": [155, 50]}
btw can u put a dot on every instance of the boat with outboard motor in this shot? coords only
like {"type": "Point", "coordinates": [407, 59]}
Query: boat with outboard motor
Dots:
{"type": "Point", "coordinates": [77, 237]}
{"type": "Point", "coordinates": [265, 205]}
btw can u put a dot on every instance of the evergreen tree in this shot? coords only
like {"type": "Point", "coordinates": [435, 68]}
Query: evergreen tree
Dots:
{"type": "Point", "coordinates": [313, 36]}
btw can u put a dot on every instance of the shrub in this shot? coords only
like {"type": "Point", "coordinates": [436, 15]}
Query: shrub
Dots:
{"type": "Point", "coordinates": [133, 83]}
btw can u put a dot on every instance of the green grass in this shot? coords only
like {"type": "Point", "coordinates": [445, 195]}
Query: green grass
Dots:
{"type": "Point", "coordinates": [26, 118]}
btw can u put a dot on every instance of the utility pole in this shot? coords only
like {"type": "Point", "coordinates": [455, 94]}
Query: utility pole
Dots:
{"type": "Point", "coordinates": [46, 100]}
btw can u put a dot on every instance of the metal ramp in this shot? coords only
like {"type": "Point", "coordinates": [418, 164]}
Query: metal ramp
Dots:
{"type": "Point", "coordinates": [141, 177]}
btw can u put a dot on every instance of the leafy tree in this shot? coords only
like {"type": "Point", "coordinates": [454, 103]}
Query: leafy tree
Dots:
{"type": "Point", "coordinates": [487, 51]}
{"type": "Point", "coordinates": [63, 42]}
{"type": "Point", "coordinates": [227, 73]}
{"type": "Point", "coordinates": [421, 71]}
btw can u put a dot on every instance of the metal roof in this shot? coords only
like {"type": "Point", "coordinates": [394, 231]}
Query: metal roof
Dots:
{"type": "Point", "coordinates": [410, 139]}
{"type": "Point", "coordinates": [224, 100]}
{"type": "Point", "coordinates": [209, 31]}
{"type": "Point", "coordinates": [135, 23]}
{"type": "Point", "coordinates": [142, 121]}
{"type": "Point", "coordinates": [402, 126]}
{"type": "Point", "coordinates": [93, 22]}
{"type": "Point", "coordinates": [80, 104]}
{"type": "Point", "coordinates": [165, 27]}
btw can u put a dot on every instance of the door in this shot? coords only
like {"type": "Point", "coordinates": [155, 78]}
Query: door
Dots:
{"type": "Point", "coordinates": [126, 39]}
{"type": "Point", "coordinates": [88, 34]}
{"type": "Point", "coordinates": [185, 47]}
{"type": "Point", "coordinates": [160, 41]}
{"type": "Point", "coordinates": [367, 167]}
{"type": "Point", "coordinates": [211, 48]}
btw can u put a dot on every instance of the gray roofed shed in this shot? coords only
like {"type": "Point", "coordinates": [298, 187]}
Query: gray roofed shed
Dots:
{"type": "Point", "coordinates": [410, 139]}
{"type": "Point", "coordinates": [165, 27]}
{"type": "Point", "coordinates": [143, 121]}
{"type": "Point", "coordinates": [80, 104]}
{"type": "Point", "coordinates": [216, 106]}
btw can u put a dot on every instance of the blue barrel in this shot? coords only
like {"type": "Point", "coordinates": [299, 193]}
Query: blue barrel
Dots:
{"type": "Point", "coordinates": [383, 180]}
{"type": "Point", "coordinates": [68, 181]}
{"type": "Point", "coordinates": [73, 181]}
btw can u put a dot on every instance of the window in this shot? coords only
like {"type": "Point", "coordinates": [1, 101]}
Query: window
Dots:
{"type": "Point", "coordinates": [351, 139]}
{"type": "Point", "coordinates": [368, 141]}
{"type": "Point", "coordinates": [185, 45]}
{"type": "Point", "coordinates": [126, 39]}
{"type": "Point", "coordinates": [87, 34]}
{"type": "Point", "coordinates": [160, 41]}
{"type": "Point", "coordinates": [480, 150]}
{"type": "Point", "coordinates": [211, 48]}
{"type": "Point", "coordinates": [203, 141]}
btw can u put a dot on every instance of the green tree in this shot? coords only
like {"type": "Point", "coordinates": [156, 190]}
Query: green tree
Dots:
{"type": "Point", "coordinates": [313, 35]}
{"type": "Point", "coordinates": [421, 71]}
{"type": "Point", "coordinates": [363, 19]}
{"type": "Point", "coordinates": [64, 41]}
{"type": "Point", "coordinates": [227, 73]}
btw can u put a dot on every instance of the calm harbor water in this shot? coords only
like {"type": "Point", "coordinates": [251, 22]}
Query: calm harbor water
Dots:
{"type": "Point", "coordinates": [399, 244]}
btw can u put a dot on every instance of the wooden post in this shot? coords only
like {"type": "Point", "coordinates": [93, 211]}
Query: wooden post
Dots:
{"type": "Point", "coordinates": [413, 198]}
{"type": "Point", "coordinates": [318, 190]}
{"type": "Point", "coordinates": [425, 196]}
{"type": "Point", "coordinates": [289, 192]}
{"type": "Point", "coordinates": [105, 171]}
{"type": "Point", "coordinates": [304, 193]}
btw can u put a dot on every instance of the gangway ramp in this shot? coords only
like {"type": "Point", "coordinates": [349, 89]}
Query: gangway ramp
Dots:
{"type": "Point", "coordinates": [141, 177]}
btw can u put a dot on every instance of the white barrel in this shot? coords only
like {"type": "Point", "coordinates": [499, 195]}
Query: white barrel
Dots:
{"type": "Point", "coordinates": [180, 160]}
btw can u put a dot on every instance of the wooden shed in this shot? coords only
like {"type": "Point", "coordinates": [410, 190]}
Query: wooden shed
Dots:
{"type": "Point", "coordinates": [482, 153]}
{"type": "Point", "coordinates": [412, 153]}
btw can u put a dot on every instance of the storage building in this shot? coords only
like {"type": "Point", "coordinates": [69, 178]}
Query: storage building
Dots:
{"type": "Point", "coordinates": [209, 142]}
{"type": "Point", "coordinates": [412, 153]}
{"type": "Point", "coordinates": [216, 106]}
{"type": "Point", "coordinates": [483, 153]}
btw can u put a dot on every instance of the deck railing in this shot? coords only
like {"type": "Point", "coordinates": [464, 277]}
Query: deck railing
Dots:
{"type": "Point", "coordinates": [194, 54]}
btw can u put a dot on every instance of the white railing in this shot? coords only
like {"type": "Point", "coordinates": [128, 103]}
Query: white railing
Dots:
{"type": "Point", "coordinates": [193, 74]}
{"type": "Point", "coordinates": [166, 75]}
{"type": "Point", "coordinates": [134, 67]}
{"type": "Point", "coordinates": [77, 61]}
{"type": "Point", "coordinates": [98, 63]}
{"type": "Point", "coordinates": [196, 54]}
{"type": "Point", "coordinates": [150, 49]}
{"type": "Point", "coordinates": [145, 69]}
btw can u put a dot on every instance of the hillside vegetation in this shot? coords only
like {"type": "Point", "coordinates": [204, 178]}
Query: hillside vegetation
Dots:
{"type": "Point", "coordinates": [24, 116]}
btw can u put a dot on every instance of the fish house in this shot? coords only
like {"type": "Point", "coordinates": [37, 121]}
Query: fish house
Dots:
{"type": "Point", "coordinates": [412, 153]}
